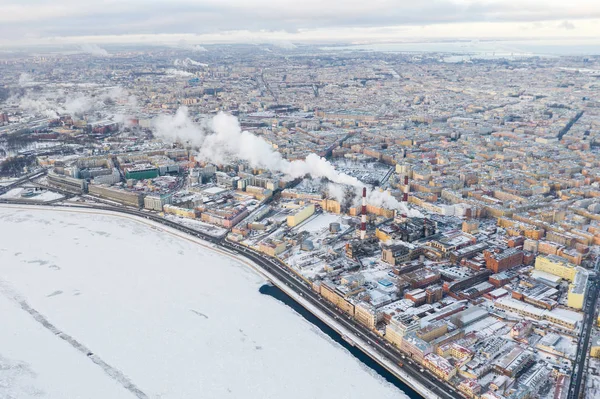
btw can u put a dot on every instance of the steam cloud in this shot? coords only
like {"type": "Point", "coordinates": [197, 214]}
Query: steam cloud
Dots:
{"type": "Point", "coordinates": [221, 140]}
{"type": "Point", "coordinates": [25, 80]}
{"type": "Point", "coordinates": [94, 49]}
{"type": "Point", "coordinates": [177, 72]}
{"type": "Point", "coordinates": [55, 103]}
{"type": "Point", "coordinates": [188, 62]}
{"type": "Point", "coordinates": [191, 47]}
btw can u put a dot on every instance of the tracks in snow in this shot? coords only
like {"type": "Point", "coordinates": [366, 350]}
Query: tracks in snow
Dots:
{"type": "Point", "coordinates": [111, 371]}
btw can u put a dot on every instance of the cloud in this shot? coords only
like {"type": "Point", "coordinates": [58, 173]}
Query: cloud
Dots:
{"type": "Point", "coordinates": [42, 19]}
{"type": "Point", "coordinates": [566, 25]}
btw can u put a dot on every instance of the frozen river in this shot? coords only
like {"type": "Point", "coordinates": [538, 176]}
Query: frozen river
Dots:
{"type": "Point", "coordinates": [99, 306]}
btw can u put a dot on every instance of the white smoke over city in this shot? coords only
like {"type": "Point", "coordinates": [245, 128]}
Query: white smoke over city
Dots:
{"type": "Point", "coordinates": [55, 103]}
{"type": "Point", "coordinates": [221, 140]}
{"type": "Point", "coordinates": [375, 197]}
{"type": "Point", "coordinates": [25, 80]}
{"type": "Point", "coordinates": [188, 62]}
{"type": "Point", "coordinates": [196, 48]}
{"type": "Point", "coordinates": [177, 72]}
{"type": "Point", "coordinates": [94, 49]}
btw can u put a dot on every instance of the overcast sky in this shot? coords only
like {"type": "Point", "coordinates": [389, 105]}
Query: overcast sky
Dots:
{"type": "Point", "coordinates": [215, 21]}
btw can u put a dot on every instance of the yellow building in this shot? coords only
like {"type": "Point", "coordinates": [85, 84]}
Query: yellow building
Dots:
{"type": "Point", "coordinates": [432, 331]}
{"type": "Point", "coordinates": [439, 366]}
{"type": "Point", "coordinates": [272, 247]}
{"type": "Point", "coordinates": [470, 226]}
{"type": "Point", "coordinates": [330, 292]}
{"type": "Point", "coordinates": [595, 348]}
{"type": "Point", "coordinates": [365, 314]}
{"type": "Point", "coordinates": [331, 205]}
{"type": "Point", "coordinates": [301, 215]}
{"type": "Point", "coordinates": [578, 289]}
{"type": "Point", "coordinates": [557, 266]}
{"type": "Point", "coordinates": [397, 329]}
{"type": "Point", "coordinates": [470, 387]}
{"type": "Point", "coordinates": [183, 212]}
{"type": "Point", "coordinates": [382, 234]}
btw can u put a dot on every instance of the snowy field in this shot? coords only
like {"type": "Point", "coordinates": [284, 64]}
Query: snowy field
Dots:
{"type": "Point", "coordinates": [42, 196]}
{"type": "Point", "coordinates": [99, 306]}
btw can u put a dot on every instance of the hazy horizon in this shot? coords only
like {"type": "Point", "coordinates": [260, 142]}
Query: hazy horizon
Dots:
{"type": "Point", "coordinates": [189, 23]}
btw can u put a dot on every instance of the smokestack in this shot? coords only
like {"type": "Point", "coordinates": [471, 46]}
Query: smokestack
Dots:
{"type": "Point", "coordinates": [406, 189]}
{"type": "Point", "coordinates": [363, 215]}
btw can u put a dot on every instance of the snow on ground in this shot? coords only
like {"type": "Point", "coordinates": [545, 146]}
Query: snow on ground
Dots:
{"type": "Point", "coordinates": [319, 222]}
{"type": "Point", "coordinates": [5, 181]}
{"type": "Point", "coordinates": [47, 196]}
{"type": "Point", "coordinates": [198, 225]}
{"type": "Point", "coordinates": [13, 193]}
{"type": "Point", "coordinates": [43, 196]}
{"type": "Point", "coordinates": [176, 319]}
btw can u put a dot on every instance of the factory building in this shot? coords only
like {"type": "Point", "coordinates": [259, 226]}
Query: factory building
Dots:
{"type": "Point", "coordinates": [331, 205]}
{"type": "Point", "coordinates": [141, 172]}
{"type": "Point", "coordinates": [396, 254]}
{"type": "Point", "coordinates": [118, 195]}
{"type": "Point", "coordinates": [498, 262]}
{"type": "Point", "coordinates": [227, 216]}
{"type": "Point", "coordinates": [562, 317]}
{"type": "Point", "coordinates": [67, 183]}
{"type": "Point", "coordinates": [556, 265]}
{"type": "Point", "coordinates": [301, 215]}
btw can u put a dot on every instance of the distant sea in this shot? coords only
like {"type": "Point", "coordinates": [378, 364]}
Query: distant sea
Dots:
{"type": "Point", "coordinates": [485, 49]}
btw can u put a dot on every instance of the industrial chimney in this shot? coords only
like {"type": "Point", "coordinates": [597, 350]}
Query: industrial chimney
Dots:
{"type": "Point", "coordinates": [363, 215]}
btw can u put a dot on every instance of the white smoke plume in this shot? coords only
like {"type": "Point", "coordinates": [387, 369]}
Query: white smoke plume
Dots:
{"type": "Point", "coordinates": [188, 62]}
{"type": "Point", "coordinates": [25, 80]}
{"type": "Point", "coordinates": [78, 104]}
{"type": "Point", "coordinates": [384, 199]}
{"type": "Point", "coordinates": [58, 102]}
{"type": "Point", "coordinates": [221, 140]}
{"type": "Point", "coordinates": [94, 49]}
{"type": "Point", "coordinates": [177, 72]}
{"type": "Point", "coordinates": [375, 197]}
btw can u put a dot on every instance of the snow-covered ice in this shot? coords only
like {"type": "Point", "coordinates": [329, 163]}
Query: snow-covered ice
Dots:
{"type": "Point", "coordinates": [36, 364]}
{"type": "Point", "coordinates": [177, 319]}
